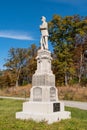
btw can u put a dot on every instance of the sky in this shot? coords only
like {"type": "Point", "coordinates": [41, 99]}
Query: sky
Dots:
{"type": "Point", "coordinates": [20, 21]}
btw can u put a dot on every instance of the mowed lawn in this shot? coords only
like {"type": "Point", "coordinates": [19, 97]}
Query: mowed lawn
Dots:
{"type": "Point", "coordinates": [8, 108]}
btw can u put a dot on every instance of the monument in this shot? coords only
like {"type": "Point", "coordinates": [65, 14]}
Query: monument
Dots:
{"type": "Point", "coordinates": [43, 103]}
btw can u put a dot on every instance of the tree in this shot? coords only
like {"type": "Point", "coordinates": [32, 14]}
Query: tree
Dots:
{"type": "Point", "coordinates": [17, 59]}
{"type": "Point", "coordinates": [31, 63]}
{"type": "Point", "coordinates": [6, 79]}
{"type": "Point", "coordinates": [63, 65]}
{"type": "Point", "coordinates": [60, 30]}
{"type": "Point", "coordinates": [21, 64]}
{"type": "Point", "coordinates": [29, 68]}
{"type": "Point", "coordinates": [64, 33]}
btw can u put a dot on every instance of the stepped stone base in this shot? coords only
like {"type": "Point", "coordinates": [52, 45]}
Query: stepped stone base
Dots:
{"type": "Point", "coordinates": [47, 111]}
{"type": "Point", "coordinates": [44, 103]}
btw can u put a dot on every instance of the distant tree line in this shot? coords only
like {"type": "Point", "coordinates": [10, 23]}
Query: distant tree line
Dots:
{"type": "Point", "coordinates": [68, 36]}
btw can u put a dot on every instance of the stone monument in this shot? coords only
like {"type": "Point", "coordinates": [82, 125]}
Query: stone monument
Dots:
{"type": "Point", "coordinates": [43, 103]}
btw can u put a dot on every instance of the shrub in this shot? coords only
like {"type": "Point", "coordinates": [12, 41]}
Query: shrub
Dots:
{"type": "Point", "coordinates": [84, 81]}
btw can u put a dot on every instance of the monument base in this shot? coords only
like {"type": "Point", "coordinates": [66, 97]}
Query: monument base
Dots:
{"type": "Point", "coordinates": [47, 111]}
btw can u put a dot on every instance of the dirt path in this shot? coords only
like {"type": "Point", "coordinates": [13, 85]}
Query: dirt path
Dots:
{"type": "Point", "coordinates": [80, 105]}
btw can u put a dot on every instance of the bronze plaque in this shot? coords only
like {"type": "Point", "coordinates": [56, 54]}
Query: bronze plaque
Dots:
{"type": "Point", "coordinates": [56, 107]}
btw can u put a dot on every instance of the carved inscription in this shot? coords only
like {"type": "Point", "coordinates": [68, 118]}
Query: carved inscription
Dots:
{"type": "Point", "coordinates": [43, 80]}
{"type": "Point", "coordinates": [52, 94]}
{"type": "Point", "coordinates": [37, 94]}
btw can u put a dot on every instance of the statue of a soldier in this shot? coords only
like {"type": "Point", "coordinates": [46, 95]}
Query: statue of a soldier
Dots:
{"type": "Point", "coordinates": [44, 34]}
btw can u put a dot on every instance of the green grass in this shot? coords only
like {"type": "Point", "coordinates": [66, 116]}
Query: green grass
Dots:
{"type": "Point", "coordinates": [8, 108]}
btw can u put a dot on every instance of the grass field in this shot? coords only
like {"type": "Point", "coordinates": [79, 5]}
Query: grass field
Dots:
{"type": "Point", "coordinates": [8, 108]}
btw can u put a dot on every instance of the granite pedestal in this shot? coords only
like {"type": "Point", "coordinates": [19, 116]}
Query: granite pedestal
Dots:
{"type": "Point", "coordinates": [43, 103]}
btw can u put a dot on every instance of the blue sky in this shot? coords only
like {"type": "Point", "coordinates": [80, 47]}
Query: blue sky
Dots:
{"type": "Point", "coordinates": [20, 20]}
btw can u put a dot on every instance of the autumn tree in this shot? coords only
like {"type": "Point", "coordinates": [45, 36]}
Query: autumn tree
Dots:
{"type": "Point", "coordinates": [30, 66]}
{"type": "Point", "coordinates": [21, 64]}
{"type": "Point", "coordinates": [64, 32]}
{"type": "Point", "coordinates": [15, 62]}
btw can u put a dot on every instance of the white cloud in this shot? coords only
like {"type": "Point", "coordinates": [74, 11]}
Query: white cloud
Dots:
{"type": "Point", "coordinates": [19, 35]}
